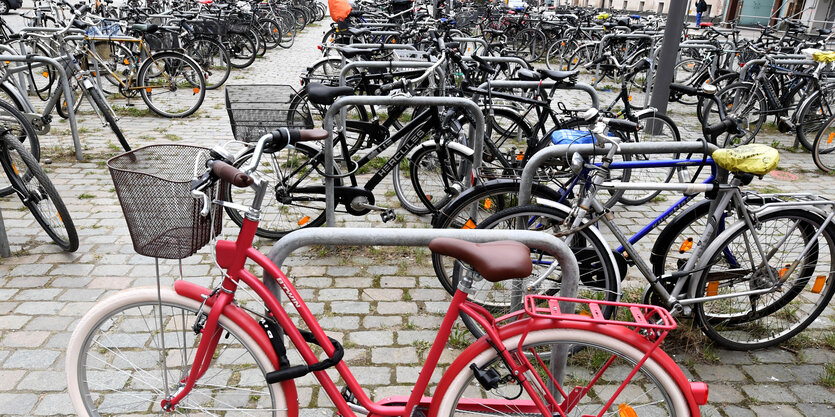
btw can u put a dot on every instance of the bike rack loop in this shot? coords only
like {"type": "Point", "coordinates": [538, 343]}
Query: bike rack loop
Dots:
{"type": "Point", "coordinates": [469, 105]}
{"type": "Point", "coordinates": [595, 101]}
{"type": "Point", "coordinates": [473, 40]}
{"type": "Point", "coordinates": [421, 237]}
{"type": "Point", "coordinates": [67, 93]}
{"type": "Point", "coordinates": [557, 151]}
{"type": "Point", "coordinates": [500, 59]}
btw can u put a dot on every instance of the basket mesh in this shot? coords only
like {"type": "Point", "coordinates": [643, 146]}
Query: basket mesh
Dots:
{"type": "Point", "coordinates": [206, 28]}
{"type": "Point", "coordinates": [258, 109]}
{"type": "Point", "coordinates": [153, 185]}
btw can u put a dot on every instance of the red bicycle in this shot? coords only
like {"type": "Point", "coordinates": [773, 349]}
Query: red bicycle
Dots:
{"type": "Point", "coordinates": [189, 349]}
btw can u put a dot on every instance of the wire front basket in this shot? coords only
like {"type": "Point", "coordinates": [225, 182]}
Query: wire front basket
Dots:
{"type": "Point", "coordinates": [153, 185]}
{"type": "Point", "coordinates": [258, 109]}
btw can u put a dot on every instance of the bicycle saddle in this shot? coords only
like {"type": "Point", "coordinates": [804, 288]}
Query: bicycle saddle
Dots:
{"type": "Point", "coordinates": [142, 27]}
{"type": "Point", "coordinates": [495, 261]}
{"type": "Point", "coordinates": [349, 52]}
{"type": "Point", "coordinates": [754, 159]}
{"type": "Point", "coordinates": [321, 94]}
{"type": "Point", "coordinates": [542, 74]}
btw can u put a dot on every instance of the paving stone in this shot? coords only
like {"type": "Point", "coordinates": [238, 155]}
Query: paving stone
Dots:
{"type": "Point", "coordinates": [24, 338]}
{"type": "Point", "coordinates": [17, 403]}
{"type": "Point", "coordinates": [383, 355]}
{"type": "Point", "coordinates": [408, 337]}
{"type": "Point", "coordinates": [719, 373]}
{"type": "Point", "coordinates": [338, 294]}
{"type": "Point", "coordinates": [723, 394]}
{"type": "Point", "coordinates": [13, 322]}
{"type": "Point", "coordinates": [49, 323]}
{"type": "Point", "coordinates": [341, 322]}
{"type": "Point", "coordinates": [813, 394]}
{"type": "Point", "coordinates": [775, 410]}
{"type": "Point", "coordinates": [769, 373]}
{"type": "Point", "coordinates": [397, 307]}
{"type": "Point", "coordinates": [350, 307]}
{"type": "Point", "coordinates": [43, 381]}
{"type": "Point", "coordinates": [73, 269]}
{"type": "Point", "coordinates": [374, 322]}
{"type": "Point", "coordinates": [774, 356]}
{"type": "Point", "coordinates": [10, 378]}
{"type": "Point", "coordinates": [39, 307]}
{"type": "Point", "coordinates": [769, 393]}
{"type": "Point", "coordinates": [30, 269]}
{"type": "Point", "coordinates": [809, 410]}
{"type": "Point", "coordinates": [807, 373]}
{"type": "Point", "coordinates": [736, 411]}
{"type": "Point", "coordinates": [380, 294]}
{"type": "Point", "coordinates": [54, 404]}
{"type": "Point", "coordinates": [31, 359]}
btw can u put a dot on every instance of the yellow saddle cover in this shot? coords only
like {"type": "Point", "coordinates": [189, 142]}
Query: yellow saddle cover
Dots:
{"type": "Point", "coordinates": [824, 56]}
{"type": "Point", "coordinates": [754, 159]}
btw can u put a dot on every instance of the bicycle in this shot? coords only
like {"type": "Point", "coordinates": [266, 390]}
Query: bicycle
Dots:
{"type": "Point", "coordinates": [739, 300]}
{"type": "Point", "coordinates": [119, 360]}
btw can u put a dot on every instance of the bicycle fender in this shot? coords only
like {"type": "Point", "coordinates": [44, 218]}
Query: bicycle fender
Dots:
{"type": "Point", "coordinates": [518, 328]}
{"type": "Point", "coordinates": [251, 327]}
{"type": "Point", "coordinates": [453, 145]}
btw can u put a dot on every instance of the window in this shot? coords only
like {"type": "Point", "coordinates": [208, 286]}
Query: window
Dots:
{"type": "Point", "coordinates": [641, 6]}
{"type": "Point", "coordinates": [660, 7]}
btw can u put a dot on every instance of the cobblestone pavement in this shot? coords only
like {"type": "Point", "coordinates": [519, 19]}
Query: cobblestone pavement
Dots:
{"type": "Point", "coordinates": [383, 304]}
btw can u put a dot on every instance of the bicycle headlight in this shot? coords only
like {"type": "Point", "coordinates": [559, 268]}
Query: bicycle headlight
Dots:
{"type": "Point", "coordinates": [577, 163]}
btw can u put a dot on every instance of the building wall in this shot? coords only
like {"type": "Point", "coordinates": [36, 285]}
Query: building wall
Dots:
{"type": "Point", "coordinates": [716, 7]}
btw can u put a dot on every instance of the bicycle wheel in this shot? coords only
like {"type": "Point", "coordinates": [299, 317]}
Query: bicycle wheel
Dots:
{"type": "Point", "coordinates": [260, 44]}
{"type": "Point", "coordinates": [558, 54]}
{"type": "Point", "coordinates": [438, 174]}
{"type": "Point", "coordinates": [103, 110]}
{"type": "Point", "coordinates": [530, 44]}
{"type": "Point", "coordinates": [599, 278]}
{"type": "Point", "coordinates": [298, 197]}
{"type": "Point", "coordinates": [599, 362]}
{"type": "Point", "coordinates": [37, 193]}
{"type": "Point", "coordinates": [473, 206]}
{"type": "Point", "coordinates": [270, 32]}
{"type": "Point", "coordinates": [812, 116]}
{"type": "Point", "coordinates": [15, 123]}
{"type": "Point", "coordinates": [242, 49]}
{"type": "Point", "coordinates": [212, 58]}
{"type": "Point", "coordinates": [117, 59]}
{"type": "Point", "coordinates": [743, 102]}
{"type": "Point", "coordinates": [823, 150]}
{"type": "Point", "coordinates": [656, 128]}
{"type": "Point", "coordinates": [61, 106]}
{"type": "Point", "coordinates": [119, 360]}
{"type": "Point", "coordinates": [171, 84]}
{"type": "Point", "coordinates": [797, 284]}
{"type": "Point", "coordinates": [581, 56]}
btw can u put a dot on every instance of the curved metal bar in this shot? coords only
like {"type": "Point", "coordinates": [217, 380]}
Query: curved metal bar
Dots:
{"type": "Point", "coordinates": [595, 101]}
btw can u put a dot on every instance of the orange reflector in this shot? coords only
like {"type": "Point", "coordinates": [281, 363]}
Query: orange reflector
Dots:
{"type": "Point", "coordinates": [147, 89]}
{"type": "Point", "coordinates": [783, 270]}
{"type": "Point", "coordinates": [625, 410]}
{"type": "Point", "coordinates": [14, 168]}
{"type": "Point", "coordinates": [488, 203]}
{"type": "Point", "coordinates": [686, 245]}
{"type": "Point", "coordinates": [630, 97]}
{"type": "Point", "coordinates": [275, 30]}
{"type": "Point", "coordinates": [819, 281]}
{"type": "Point", "coordinates": [60, 218]}
{"type": "Point", "coordinates": [470, 224]}
{"type": "Point", "coordinates": [8, 62]}
{"type": "Point", "coordinates": [520, 156]}
{"type": "Point", "coordinates": [126, 61]}
{"type": "Point", "coordinates": [196, 90]}
{"type": "Point", "coordinates": [712, 288]}
{"type": "Point", "coordinates": [831, 136]}
{"type": "Point", "coordinates": [428, 197]}
{"type": "Point", "coordinates": [45, 74]}
{"type": "Point", "coordinates": [304, 220]}
{"type": "Point", "coordinates": [585, 313]}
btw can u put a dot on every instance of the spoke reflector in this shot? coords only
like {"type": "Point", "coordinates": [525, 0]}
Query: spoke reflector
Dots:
{"type": "Point", "coordinates": [45, 74]}
{"type": "Point", "coordinates": [470, 224]}
{"type": "Point", "coordinates": [686, 245]}
{"type": "Point", "coordinates": [784, 270]}
{"type": "Point", "coordinates": [819, 281]}
{"type": "Point", "coordinates": [625, 410]}
{"type": "Point", "coordinates": [831, 136]}
{"type": "Point", "coordinates": [488, 203]}
{"type": "Point", "coordinates": [196, 90]}
{"type": "Point", "coordinates": [304, 220]}
{"type": "Point", "coordinates": [712, 288]}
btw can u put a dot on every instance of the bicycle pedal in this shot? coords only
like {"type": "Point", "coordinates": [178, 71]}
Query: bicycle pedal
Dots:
{"type": "Point", "coordinates": [387, 215]}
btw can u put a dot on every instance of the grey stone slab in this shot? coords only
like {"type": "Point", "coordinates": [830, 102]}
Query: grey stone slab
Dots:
{"type": "Point", "coordinates": [43, 381]}
{"type": "Point", "coordinates": [776, 410]}
{"type": "Point", "coordinates": [769, 393]}
{"type": "Point", "coordinates": [816, 409]}
{"type": "Point", "coordinates": [774, 356]}
{"type": "Point", "coordinates": [724, 394]}
{"type": "Point", "coordinates": [813, 394]}
{"type": "Point", "coordinates": [769, 373]}
{"type": "Point", "coordinates": [20, 404]}
{"type": "Point", "coordinates": [372, 338]}
{"type": "Point", "coordinates": [719, 373]}
{"type": "Point", "coordinates": [31, 359]}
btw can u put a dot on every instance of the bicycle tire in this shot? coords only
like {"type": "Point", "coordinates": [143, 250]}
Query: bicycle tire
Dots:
{"type": "Point", "coordinates": [739, 323]}
{"type": "Point", "coordinates": [61, 104]}
{"type": "Point", "coordinates": [583, 55]}
{"type": "Point", "coordinates": [823, 150]}
{"type": "Point", "coordinates": [438, 174]}
{"type": "Point", "coordinates": [473, 206]}
{"type": "Point", "coordinates": [270, 32]}
{"type": "Point", "coordinates": [173, 72]}
{"type": "Point", "coordinates": [599, 278]}
{"type": "Point", "coordinates": [557, 56]}
{"type": "Point", "coordinates": [260, 44]}
{"type": "Point", "coordinates": [212, 57]}
{"type": "Point", "coordinates": [16, 124]}
{"type": "Point", "coordinates": [656, 128]}
{"type": "Point", "coordinates": [654, 385]}
{"type": "Point", "coordinates": [752, 114]}
{"type": "Point", "coordinates": [37, 193]}
{"type": "Point", "coordinates": [812, 116]}
{"type": "Point", "coordinates": [297, 199]}
{"type": "Point", "coordinates": [530, 44]}
{"type": "Point", "coordinates": [242, 49]}
{"type": "Point", "coordinates": [105, 111]}
{"type": "Point", "coordinates": [115, 341]}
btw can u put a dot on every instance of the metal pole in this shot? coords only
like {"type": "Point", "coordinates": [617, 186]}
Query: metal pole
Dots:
{"type": "Point", "coordinates": [5, 252]}
{"type": "Point", "coordinates": [668, 56]}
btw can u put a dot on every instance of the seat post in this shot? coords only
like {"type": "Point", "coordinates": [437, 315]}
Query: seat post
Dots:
{"type": "Point", "coordinates": [465, 277]}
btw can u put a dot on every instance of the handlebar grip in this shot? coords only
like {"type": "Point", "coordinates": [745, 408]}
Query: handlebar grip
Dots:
{"type": "Point", "coordinates": [686, 89]}
{"type": "Point", "coordinates": [231, 174]}
{"type": "Point", "coordinates": [622, 125]}
{"type": "Point", "coordinates": [385, 88]}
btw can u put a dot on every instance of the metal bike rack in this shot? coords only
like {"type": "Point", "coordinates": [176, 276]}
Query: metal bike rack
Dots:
{"type": "Point", "coordinates": [601, 47]}
{"type": "Point", "coordinates": [382, 46]}
{"type": "Point", "coordinates": [500, 59]}
{"type": "Point", "coordinates": [64, 84]}
{"type": "Point", "coordinates": [556, 151]}
{"type": "Point", "coordinates": [473, 40]}
{"type": "Point", "coordinates": [469, 105]}
{"type": "Point", "coordinates": [595, 101]}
